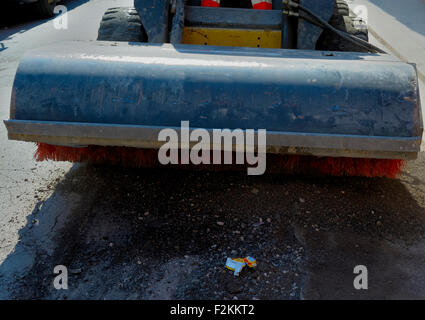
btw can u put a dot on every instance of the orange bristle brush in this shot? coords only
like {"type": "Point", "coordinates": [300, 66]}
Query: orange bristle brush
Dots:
{"type": "Point", "coordinates": [288, 164]}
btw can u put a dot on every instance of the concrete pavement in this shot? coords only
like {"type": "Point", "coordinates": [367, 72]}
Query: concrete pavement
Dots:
{"type": "Point", "coordinates": [20, 175]}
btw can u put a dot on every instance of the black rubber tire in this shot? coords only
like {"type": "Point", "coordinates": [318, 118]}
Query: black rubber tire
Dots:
{"type": "Point", "coordinates": [121, 24]}
{"type": "Point", "coordinates": [341, 8]}
{"type": "Point", "coordinates": [342, 20]}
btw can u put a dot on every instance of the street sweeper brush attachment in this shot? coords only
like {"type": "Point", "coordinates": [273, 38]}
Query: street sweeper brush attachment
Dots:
{"type": "Point", "coordinates": [122, 156]}
{"type": "Point", "coordinates": [287, 164]}
{"type": "Point", "coordinates": [338, 113]}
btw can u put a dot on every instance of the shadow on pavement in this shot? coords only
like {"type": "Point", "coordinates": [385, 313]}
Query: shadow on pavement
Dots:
{"type": "Point", "coordinates": [22, 17]}
{"type": "Point", "coordinates": [162, 234]}
{"type": "Point", "coordinates": [411, 13]}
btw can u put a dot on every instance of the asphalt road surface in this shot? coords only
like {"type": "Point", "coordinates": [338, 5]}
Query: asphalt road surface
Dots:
{"type": "Point", "coordinates": [163, 234]}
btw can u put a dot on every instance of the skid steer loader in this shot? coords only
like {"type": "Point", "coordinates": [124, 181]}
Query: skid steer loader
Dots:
{"type": "Point", "coordinates": [303, 70]}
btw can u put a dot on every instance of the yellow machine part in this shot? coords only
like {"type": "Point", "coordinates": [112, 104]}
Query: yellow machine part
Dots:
{"type": "Point", "coordinates": [232, 37]}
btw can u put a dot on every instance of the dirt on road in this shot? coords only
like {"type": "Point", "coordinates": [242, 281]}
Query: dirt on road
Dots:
{"type": "Point", "coordinates": [166, 234]}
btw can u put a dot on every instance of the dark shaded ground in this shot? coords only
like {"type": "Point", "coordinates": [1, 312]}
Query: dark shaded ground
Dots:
{"type": "Point", "coordinates": [12, 13]}
{"type": "Point", "coordinates": [159, 234]}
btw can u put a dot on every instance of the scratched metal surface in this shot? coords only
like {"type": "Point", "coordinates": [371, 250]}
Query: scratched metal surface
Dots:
{"type": "Point", "coordinates": [214, 87]}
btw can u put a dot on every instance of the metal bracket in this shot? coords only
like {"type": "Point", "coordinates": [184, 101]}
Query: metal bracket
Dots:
{"type": "Point", "coordinates": [308, 34]}
{"type": "Point", "coordinates": [154, 15]}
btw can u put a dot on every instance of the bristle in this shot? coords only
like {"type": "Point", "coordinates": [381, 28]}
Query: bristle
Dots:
{"type": "Point", "coordinates": [127, 157]}
{"type": "Point", "coordinates": [328, 166]}
{"type": "Point", "coordinates": [289, 164]}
